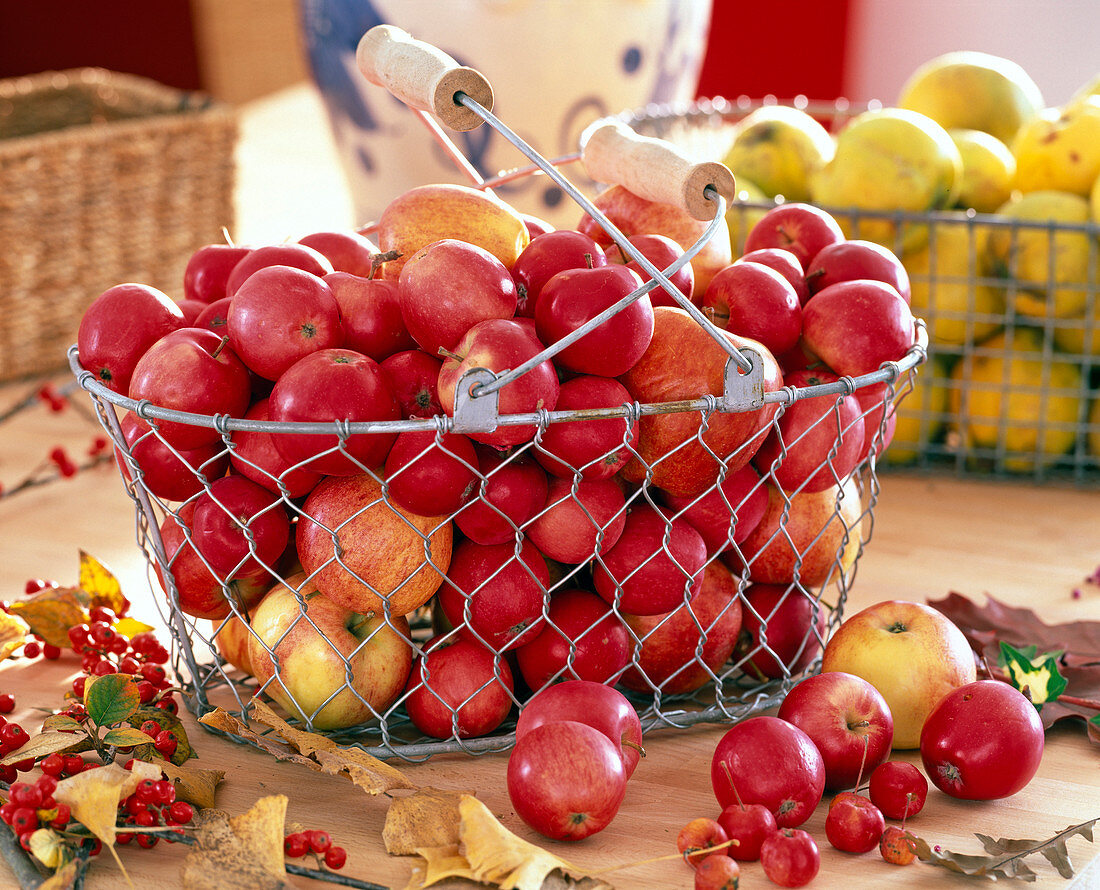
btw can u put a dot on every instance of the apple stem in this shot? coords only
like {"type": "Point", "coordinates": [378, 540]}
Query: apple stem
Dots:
{"type": "Point", "coordinates": [218, 349]}
{"type": "Point", "coordinates": [634, 746]}
{"type": "Point", "coordinates": [446, 353]}
{"type": "Point", "coordinates": [588, 261]}
{"type": "Point", "coordinates": [379, 258]}
{"type": "Point", "coordinates": [733, 785]}
{"type": "Point", "coordinates": [863, 758]}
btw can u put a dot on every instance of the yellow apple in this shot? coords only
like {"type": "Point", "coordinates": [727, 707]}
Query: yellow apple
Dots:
{"type": "Point", "coordinates": [231, 638]}
{"type": "Point", "coordinates": [1060, 149]}
{"type": "Point", "coordinates": [988, 170]}
{"type": "Point", "coordinates": [911, 653]}
{"type": "Point", "coordinates": [778, 147]}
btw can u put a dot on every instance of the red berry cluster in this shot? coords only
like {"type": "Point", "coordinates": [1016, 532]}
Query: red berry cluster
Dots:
{"type": "Point", "coordinates": [31, 806]}
{"type": "Point", "coordinates": [12, 737]}
{"type": "Point", "coordinates": [104, 650]}
{"type": "Point", "coordinates": [153, 803]}
{"type": "Point", "coordinates": [319, 843]}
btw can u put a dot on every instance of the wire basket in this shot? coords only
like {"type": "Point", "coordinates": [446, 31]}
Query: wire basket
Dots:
{"type": "Point", "coordinates": [1012, 388]}
{"type": "Point", "coordinates": [744, 611]}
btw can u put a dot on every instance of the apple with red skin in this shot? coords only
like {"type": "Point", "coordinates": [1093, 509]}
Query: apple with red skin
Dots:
{"type": "Point", "coordinates": [447, 287]}
{"type": "Point", "coordinates": [654, 566]}
{"type": "Point", "coordinates": [495, 593]}
{"type": "Point", "coordinates": [748, 824]}
{"type": "Point", "coordinates": [330, 385]}
{"type": "Point", "coordinates": [873, 403]}
{"type": "Point", "coordinates": [574, 525]}
{"type": "Point", "coordinates": [855, 326]}
{"type": "Point", "coordinates": [514, 490]}
{"type": "Point", "coordinates": [165, 472]}
{"type": "Point", "coordinates": [855, 259]}
{"type": "Point", "coordinates": [817, 440]}
{"type": "Point", "coordinates": [785, 263]}
{"type": "Point", "coordinates": [683, 650]}
{"type": "Point", "coordinates": [683, 362]}
{"type": "Point", "coordinates": [192, 370]}
{"type": "Point", "coordinates": [574, 297]}
{"type": "Point", "coordinates": [207, 271]}
{"type": "Point", "coordinates": [790, 857]}
{"type": "Point", "coordinates": [755, 301]}
{"type": "Point", "coordinates": [566, 780]}
{"type": "Point", "coordinates": [413, 375]}
{"type": "Point", "coordinates": [191, 310]}
{"type": "Point", "coordinates": [348, 251]}
{"type": "Point", "coordinates": [662, 252]}
{"type": "Point", "coordinates": [771, 762]}
{"type": "Point", "coordinates": [583, 639]}
{"type": "Point", "coordinates": [802, 229]}
{"type": "Point", "coordinates": [431, 474]}
{"type": "Point", "coordinates": [536, 225]}
{"type": "Point", "coordinates": [215, 316]}
{"type": "Point", "coordinates": [498, 345]}
{"type": "Point", "coordinates": [848, 720]}
{"type": "Point", "coordinates": [701, 833]}
{"type": "Point", "coordinates": [255, 456]}
{"type": "Point", "coordinates": [596, 448]}
{"type": "Point", "coordinates": [335, 670]}
{"type": "Point", "coordinates": [789, 622]}
{"type": "Point", "coordinates": [118, 328]}
{"type": "Point", "coordinates": [239, 527]}
{"type": "Point", "coordinates": [600, 706]}
{"type": "Point", "coordinates": [279, 315]}
{"type": "Point", "coordinates": [299, 256]}
{"type": "Point", "coordinates": [730, 510]}
{"type": "Point", "coordinates": [854, 825]}
{"type": "Point", "coordinates": [370, 314]}
{"type": "Point", "coordinates": [563, 249]}
{"type": "Point", "coordinates": [982, 741]}
{"type": "Point", "coordinates": [898, 789]}
{"type": "Point", "coordinates": [718, 872]}
{"type": "Point", "coordinates": [458, 688]}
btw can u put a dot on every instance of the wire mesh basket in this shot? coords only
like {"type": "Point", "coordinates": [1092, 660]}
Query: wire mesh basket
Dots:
{"type": "Point", "coordinates": [411, 634]}
{"type": "Point", "coordinates": [1012, 388]}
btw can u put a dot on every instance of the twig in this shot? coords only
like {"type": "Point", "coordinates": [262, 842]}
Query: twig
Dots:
{"type": "Point", "coordinates": [18, 861]}
{"type": "Point", "coordinates": [332, 877]}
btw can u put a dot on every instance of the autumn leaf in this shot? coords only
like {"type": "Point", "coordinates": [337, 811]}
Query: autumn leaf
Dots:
{"type": "Point", "coordinates": [46, 743]}
{"type": "Point", "coordinates": [131, 627]}
{"type": "Point", "coordinates": [51, 612]}
{"type": "Point", "coordinates": [48, 847]}
{"type": "Point", "coordinates": [100, 585]}
{"type": "Point", "coordinates": [64, 878]}
{"type": "Point", "coordinates": [165, 720]}
{"type": "Point", "coordinates": [439, 863]}
{"type": "Point", "coordinates": [428, 818]}
{"type": "Point", "coordinates": [197, 786]}
{"type": "Point", "coordinates": [61, 722]}
{"type": "Point", "coordinates": [125, 737]}
{"type": "Point", "coordinates": [240, 853]}
{"type": "Point", "coordinates": [111, 698]}
{"type": "Point", "coordinates": [1037, 676]}
{"type": "Point", "coordinates": [13, 633]}
{"type": "Point", "coordinates": [93, 795]}
{"type": "Point", "coordinates": [223, 721]}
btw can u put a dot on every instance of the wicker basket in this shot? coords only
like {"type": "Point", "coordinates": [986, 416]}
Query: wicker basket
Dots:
{"type": "Point", "coordinates": [104, 177]}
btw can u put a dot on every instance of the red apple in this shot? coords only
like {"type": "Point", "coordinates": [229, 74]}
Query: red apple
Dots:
{"type": "Point", "coordinates": [754, 301]}
{"type": "Point", "coordinates": [854, 824]}
{"type": "Point", "coordinates": [817, 441]}
{"type": "Point", "coordinates": [256, 457]}
{"type": "Point", "coordinates": [582, 639]}
{"type": "Point", "coordinates": [514, 490]}
{"type": "Point", "coordinates": [239, 526]}
{"type": "Point", "coordinates": [783, 631]}
{"type": "Point", "coordinates": [215, 316]}
{"type": "Point", "coordinates": [413, 375]}
{"type": "Point", "coordinates": [579, 520]}
{"type": "Point", "coordinates": [191, 310]}
{"type": "Point", "coordinates": [748, 824]}
{"type": "Point", "coordinates": [875, 401]}
{"type": "Point", "coordinates": [208, 269]}
{"type": "Point", "coordinates": [576, 296]}
{"type": "Point", "coordinates": [785, 263]}
{"type": "Point", "coordinates": [498, 345]}
{"type": "Point", "coordinates": [330, 385]}
{"type": "Point", "coordinates": [536, 225]}
{"type": "Point", "coordinates": [370, 313]}
{"type": "Point", "coordinates": [662, 252]}
{"type": "Point", "coordinates": [596, 448]}
{"type": "Point", "coordinates": [119, 327]}
{"type": "Point", "coordinates": [192, 370]}
{"type": "Point", "coordinates": [654, 566]}
{"type": "Point", "coordinates": [563, 249]}
{"type": "Point", "coordinates": [848, 720]}
{"type": "Point", "coordinates": [166, 472]}
{"type": "Point", "coordinates": [348, 251]}
{"type": "Point", "coordinates": [432, 474]}
{"type": "Point", "coordinates": [855, 326]}
{"type": "Point", "coordinates": [728, 512]}
{"type": "Point", "coordinates": [855, 259]}
{"type": "Point", "coordinates": [598, 705]}
{"type": "Point", "coordinates": [279, 315]}
{"type": "Point", "coordinates": [496, 594]}
{"type": "Point", "coordinates": [683, 650]}
{"type": "Point", "coordinates": [287, 254]}
{"type": "Point", "coordinates": [802, 229]}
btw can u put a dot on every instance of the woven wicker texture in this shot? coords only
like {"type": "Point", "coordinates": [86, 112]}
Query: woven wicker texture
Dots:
{"type": "Point", "coordinates": [104, 178]}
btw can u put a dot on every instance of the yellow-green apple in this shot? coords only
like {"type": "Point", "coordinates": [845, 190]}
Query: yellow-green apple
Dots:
{"type": "Point", "coordinates": [578, 519]}
{"type": "Point", "coordinates": [727, 512]}
{"type": "Point", "coordinates": [782, 630]}
{"type": "Point", "coordinates": [541, 261]}
{"type": "Point", "coordinates": [447, 287]}
{"type": "Point", "coordinates": [755, 301]}
{"type": "Point", "coordinates": [119, 326]}
{"type": "Point", "coordinates": [370, 312]}
{"type": "Point", "coordinates": [801, 228]}
{"type": "Point", "coordinates": [428, 213]}
{"type": "Point", "coordinates": [297, 256]}
{"type": "Point", "coordinates": [498, 345]}
{"type": "Point", "coordinates": [167, 473]}
{"type": "Point", "coordinates": [513, 491]}
{"type": "Point", "coordinates": [848, 720]}
{"type": "Point", "coordinates": [850, 260]}
{"type": "Point", "coordinates": [324, 663]}
{"type": "Point", "coordinates": [347, 250]}
{"type": "Point", "coordinates": [683, 361]}
{"type": "Point", "coordinates": [634, 215]}
{"type": "Point", "coordinates": [911, 653]}
{"type": "Point", "coordinates": [683, 650]}
{"type": "Point", "coordinates": [596, 448]}
{"type": "Point", "coordinates": [231, 637]}
{"type": "Point", "coordinates": [207, 271]}
{"type": "Point", "coordinates": [817, 532]}
{"type": "Point", "coordinates": [366, 554]}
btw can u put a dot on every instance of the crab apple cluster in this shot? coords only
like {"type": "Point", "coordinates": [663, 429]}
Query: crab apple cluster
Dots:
{"type": "Point", "coordinates": [31, 806]}
{"type": "Point", "coordinates": [153, 803]}
{"type": "Point", "coordinates": [316, 842]}
{"type": "Point", "coordinates": [104, 650]}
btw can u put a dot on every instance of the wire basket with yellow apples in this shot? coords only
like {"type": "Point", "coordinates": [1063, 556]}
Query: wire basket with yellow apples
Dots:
{"type": "Point", "coordinates": [1007, 282]}
{"type": "Point", "coordinates": [610, 488]}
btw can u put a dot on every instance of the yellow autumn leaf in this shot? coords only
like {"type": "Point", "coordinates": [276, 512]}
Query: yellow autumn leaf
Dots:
{"type": "Point", "coordinates": [51, 612]}
{"type": "Point", "coordinates": [428, 818]}
{"type": "Point", "coordinates": [100, 584]}
{"type": "Point", "coordinates": [439, 864]}
{"type": "Point", "coordinates": [46, 743]}
{"type": "Point", "coordinates": [223, 721]}
{"type": "Point", "coordinates": [131, 627]}
{"type": "Point", "coordinates": [93, 795]}
{"type": "Point", "coordinates": [48, 848]}
{"type": "Point", "coordinates": [64, 878]}
{"type": "Point", "coordinates": [13, 633]}
{"type": "Point", "coordinates": [197, 786]}
{"type": "Point", "coordinates": [240, 853]}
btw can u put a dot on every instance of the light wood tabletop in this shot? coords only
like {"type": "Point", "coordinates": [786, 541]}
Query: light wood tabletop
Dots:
{"type": "Point", "coordinates": [1025, 545]}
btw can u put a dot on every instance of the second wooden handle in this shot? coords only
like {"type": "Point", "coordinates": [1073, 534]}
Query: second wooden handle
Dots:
{"type": "Point", "coordinates": [422, 76]}
{"type": "Point", "coordinates": [654, 169]}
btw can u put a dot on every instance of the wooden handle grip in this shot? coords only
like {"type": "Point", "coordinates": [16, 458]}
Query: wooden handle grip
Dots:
{"type": "Point", "coordinates": [422, 76]}
{"type": "Point", "coordinates": [654, 169]}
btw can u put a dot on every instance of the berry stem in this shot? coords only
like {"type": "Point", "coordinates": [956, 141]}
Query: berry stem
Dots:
{"type": "Point", "coordinates": [18, 860]}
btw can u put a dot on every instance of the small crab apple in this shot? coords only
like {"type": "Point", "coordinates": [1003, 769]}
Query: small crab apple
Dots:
{"type": "Point", "coordinates": [747, 826]}
{"type": "Point", "coordinates": [697, 838]}
{"type": "Point", "coordinates": [895, 845]}
{"type": "Point", "coordinates": [854, 824]}
{"type": "Point", "coordinates": [790, 857]}
{"type": "Point", "coordinates": [718, 872]}
{"type": "Point", "coordinates": [899, 789]}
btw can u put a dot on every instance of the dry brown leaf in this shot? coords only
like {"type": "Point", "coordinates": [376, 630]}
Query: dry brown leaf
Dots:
{"type": "Point", "coordinates": [240, 853]}
{"type": "Point", "coordinates": [93, 795]}
{"type": "Point", "coordinates": [196, 786]}
{"type": "Point", "coordinates": [439, 863]}
{"type": "Point", "coordinates": [51, 612]}
{"type": "Point", "coordinates": [46, 743]}
{"type": "Point", "coordinates": [371, 774]}
{"type": "Point", "coordinates": [276, 747]}
{"type": "Point", "coordinates": [428, 818]}
{"type": "Point", "coordinates": [62, 879]}
{"type": "Point", "coordinates": [13, 633]}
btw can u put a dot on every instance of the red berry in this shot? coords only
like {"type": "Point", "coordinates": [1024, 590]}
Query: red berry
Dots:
{"type": "Point", "coordinates": [181, 812]}
{"type": "Point", "coordinates": [27, 795]}
{"type": "Point", "coordinates": [147, 841]}
{"type": "Point", "coordinates": [129, 665]}
{"type": "Point", "coordinates": [74, 764]}
{"type": "Point", "coordinates": [52, 764]}
{"type": "Point", "coordinates": [166, 792]}
{"type": "Point", "coordinates": [32, 649]}
{"type": "Point", "coordinates": [101, 614]}
{"type": "Point", "coordinates": [12, 737]}
{"type": "Point", "coordinates": [33, 585]}
{"type": "Point", "coordinates": [24, 819]}
{"type": "Point", "coordinates": [319, 841]}
{"type": "Point", "coordinates": [8, 773]}
{"type": "Point", "coordinates": [78, 636]}
{"type": "Point", "coordinates": [92, 765]}
{"type": "Point", "coordinates": [169, 705]}
{"type": "Point", "coordinates": [146, 691]}
{"type": "Point", "coordinates": [47, 784]}
{"type": "Point", "coordinates": [159, 655]}
{"type": "Point", "coordinates": [7, 810]}
{"type": "Point", "coordinates": [89, 660]}
{"type": "Point", "coordinates": [51, 652]}
{"type": "Point", "coordinates": [295, 845]}
{"type": "Point", "coordinates": [118, 645]}
{"type": "Point", "coordinates": [103, 668]}
{"type": "Point", "coordinates": [7, 700]}
{"type": "Point", "coordinates": [62, 817]}
{"type": "Point", "coordinates": [25, 765]}
{"type": "Point", "coordinates": [77, 710]}
{"type": "Point", "coordinates": [146, 791]}
{"type": "Point", "coordinates": [154, 673]}
{"type": "Point", "coordinates": [165, 742]}
{"type": "Point", "coordinates": [123, 837]}
{"type": "Point", "coordinates": [78, 687]}
{"type": "Point", "coordinates": [335, 857]}
{"type": "Point", "coordinates": [151, 728]}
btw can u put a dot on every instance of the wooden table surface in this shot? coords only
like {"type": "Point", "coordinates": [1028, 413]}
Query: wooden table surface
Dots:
{"type": "Point", "coordinates": [1025, 545]}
